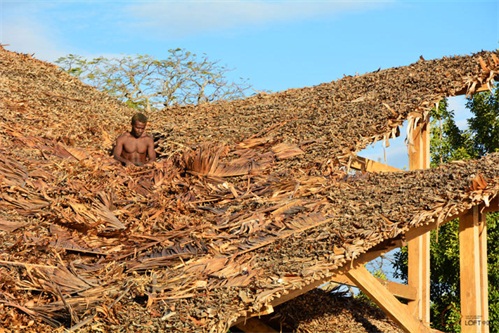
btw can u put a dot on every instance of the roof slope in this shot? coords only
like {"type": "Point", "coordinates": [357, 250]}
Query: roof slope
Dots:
{"type": "Point", "coordinates": [332, 120]}
{"type": "Point", "coordinates": [207, 235]}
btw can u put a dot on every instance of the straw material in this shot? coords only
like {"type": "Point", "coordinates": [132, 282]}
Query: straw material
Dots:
{"type": "Point", "coordinates": [248, 200]}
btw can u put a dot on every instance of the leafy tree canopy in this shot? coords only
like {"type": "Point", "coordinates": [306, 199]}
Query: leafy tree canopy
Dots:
{"type": "Point", "coordinates": [145, 83]}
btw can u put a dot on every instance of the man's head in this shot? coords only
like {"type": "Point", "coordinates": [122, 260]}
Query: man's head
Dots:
{"type": "Point", "coordinates": [139, 117]}
{"type": "Point", "coordinates": [139, 122]}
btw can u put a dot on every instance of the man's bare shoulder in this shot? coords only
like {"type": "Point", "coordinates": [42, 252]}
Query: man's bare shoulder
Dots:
{"type": "Point", "coordinates": [124, 136]}
{"type": "Point", "coordinates": [147, 137]}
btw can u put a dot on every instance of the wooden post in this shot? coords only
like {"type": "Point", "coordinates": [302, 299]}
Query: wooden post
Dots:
{"type": "Point", "coordinates": [484, 277]}
{"type": "Point", "coordinates": [419, 248]}
{"type": "Point", "coordinates": [419, 276]}
{"type": "Point", "coordinates": [473, 269]}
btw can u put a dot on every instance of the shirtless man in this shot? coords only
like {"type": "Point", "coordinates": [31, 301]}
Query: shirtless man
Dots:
{"type": "Point", "coordinates": [135, 147]}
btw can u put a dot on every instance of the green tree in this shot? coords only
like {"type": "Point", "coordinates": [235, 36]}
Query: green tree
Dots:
{"type": "Point", "coordinates": [485, 123]}
{"type": "Point", "coordinates": [145, 83]}
{"type": "Point", "coordinates": [449, 143]}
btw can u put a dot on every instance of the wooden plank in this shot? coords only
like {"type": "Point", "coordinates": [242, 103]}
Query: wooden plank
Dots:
{"type": "Point", "coordinates": [469, 261]}
{"type": "Point", "coordinates": [365, 164]}
{"type": "Point", "coordinates": [254, 325]}
{"type": "Point", "coordinates": [397, 311]}
{"type": "Point", "coordinates": [419, 153]}
{"type": "Point", "coordinates": [419, 248]}
{"type": "Point", "coordinates": [416, 232]}
{"type": "Point", "coordinates": [377, 251]}
{"type": "Point", "coordinates": [398, 290]}
{"type": "Point", "coordinates": [297, 292]}
{"type": "Point", "coordinates": [418, 276]}
{"type": "Point", "coordinates": [484, 278]}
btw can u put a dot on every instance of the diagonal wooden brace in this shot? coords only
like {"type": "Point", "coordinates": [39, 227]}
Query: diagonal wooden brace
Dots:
{"type": "Point", "coordinates": [379, 294]}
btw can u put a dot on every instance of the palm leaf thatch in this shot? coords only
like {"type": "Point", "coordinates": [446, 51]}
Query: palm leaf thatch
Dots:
{"type": "Point", "coordinates": [231, 217]}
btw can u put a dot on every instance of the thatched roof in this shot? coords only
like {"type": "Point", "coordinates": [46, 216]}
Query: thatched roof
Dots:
{"type": "Point", "coordinates": [247, 202]}
{"type": "Point", "coordinates": [323, 311]}
{"type": "Point", "coordinates": [332, 120]}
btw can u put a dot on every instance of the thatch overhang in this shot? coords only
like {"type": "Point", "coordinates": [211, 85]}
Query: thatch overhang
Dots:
{"type": "Point", "coordinates": [248, 204]}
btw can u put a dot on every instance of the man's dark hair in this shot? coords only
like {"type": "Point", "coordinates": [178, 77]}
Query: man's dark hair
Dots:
{"type": "Point", "coordinates": [140, 117]}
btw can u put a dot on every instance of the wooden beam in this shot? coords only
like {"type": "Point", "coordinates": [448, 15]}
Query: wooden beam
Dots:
{"type": "Point", "coordinates": [484, 277]}
{"type": "Point", "coordinates": [418, 276]}
{"type": "Point", "coordinates": [297, 292]}
{"type": "Point", "coordinates": [416, 232]}
{"type": "Point", "coordinates": [397, 311]}
{"type": "Point", "coordinates": [419, 248]}
{"type": "Point", "coordinates": [472, 271]}
{"type": "Point", "coordinates": [469, 272]}
{"type": "Point", "coordinates": [484, 280]}
{"type": "Point", "coordinates": [419, 153]}
{"type": "Point", "coordinates": [253, 325]}
{"type": "Point", "coordinates": [365, 164]}
{"type": "Point", "coordinates": [398, 290]}
{"type": "Point", "coordinates": [378, 250]}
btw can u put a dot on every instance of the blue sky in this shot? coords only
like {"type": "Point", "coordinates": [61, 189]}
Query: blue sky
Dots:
{"type": "Point", "coordinates": [276, 45]}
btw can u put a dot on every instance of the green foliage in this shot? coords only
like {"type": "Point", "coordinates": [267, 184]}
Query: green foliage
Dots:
{"type": "Point", "coordinates": [145, 83]}
{"type": "Point", "coordinates": [485, 123]}
{"type": "Point", "coordinates": [449, 143]}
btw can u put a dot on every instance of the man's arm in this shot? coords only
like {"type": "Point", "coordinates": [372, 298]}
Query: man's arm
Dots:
{"type": "Point", "coordinates": [151, 153]}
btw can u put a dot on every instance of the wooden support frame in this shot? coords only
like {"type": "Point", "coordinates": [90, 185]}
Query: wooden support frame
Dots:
{"type": "Point", "coordinates": [380, 249]}
{"type": "Point", "coordinates": [473, 270]}
{"type": "Point", "coordinates": [419, 248]}
{"type": "Point", "coordinates": [398, 290]}
{"type": "Point", "coordinates": [397, 311]}
{"type": "Point", "coordinates": [415, 317]}
{"type": "Point", "coordinates": [484, 277]}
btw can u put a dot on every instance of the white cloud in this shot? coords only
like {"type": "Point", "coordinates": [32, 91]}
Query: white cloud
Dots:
{"type": "Point", "coordinates": [52, 29]}
{"type": "Point", "coordinates": [26, 36]}
{"type": "Point", "coordinates": [23, 29]}
{"type": "Point", "coordinates": [175, 18]}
